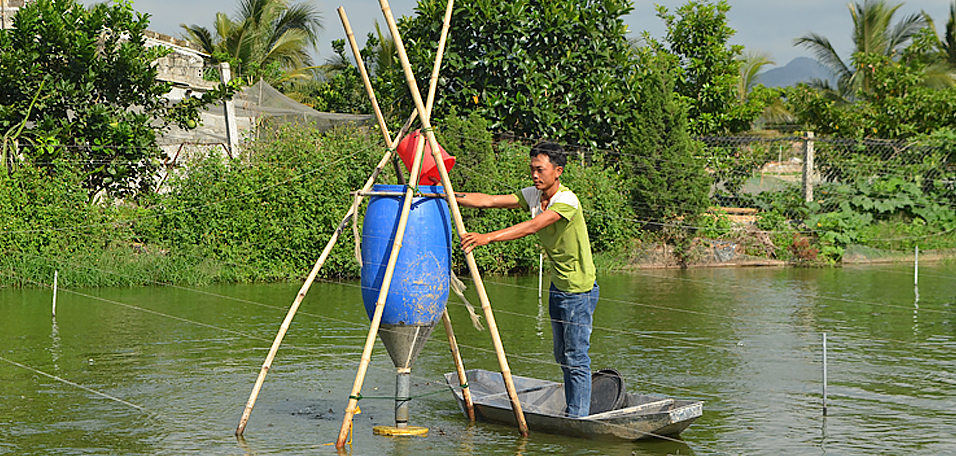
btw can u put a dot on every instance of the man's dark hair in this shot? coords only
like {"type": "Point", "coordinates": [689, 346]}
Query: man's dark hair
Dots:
{"type": "Point", "coordinates": [553, 150]}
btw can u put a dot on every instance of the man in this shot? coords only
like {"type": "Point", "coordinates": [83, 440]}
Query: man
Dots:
{"type": "Point", "coordinates": [557, 218]}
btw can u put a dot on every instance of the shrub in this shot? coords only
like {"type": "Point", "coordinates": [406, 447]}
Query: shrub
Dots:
{"type": "Point", "coordinates": [268, 219]}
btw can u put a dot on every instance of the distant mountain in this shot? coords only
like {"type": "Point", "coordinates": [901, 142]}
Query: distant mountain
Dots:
{"type": "Point", "coordinates": [800, 69]}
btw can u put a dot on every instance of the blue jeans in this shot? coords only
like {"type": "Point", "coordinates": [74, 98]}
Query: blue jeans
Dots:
{"type": "Point", "coordinates": [571, 316]}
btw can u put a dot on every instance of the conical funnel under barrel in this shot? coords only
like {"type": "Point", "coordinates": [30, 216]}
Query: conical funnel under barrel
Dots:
{"type": "Point", "coordinates": [419, 287]}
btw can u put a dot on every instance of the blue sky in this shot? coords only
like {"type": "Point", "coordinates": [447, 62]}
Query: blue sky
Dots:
{"type": "Point", "coordinates": [762, 25]}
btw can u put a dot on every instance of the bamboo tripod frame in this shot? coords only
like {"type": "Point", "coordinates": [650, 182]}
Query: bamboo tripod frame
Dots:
{"type": "Point", "coordinates": [422, 111]}
{"type": "Point", "coordinates": [459, 225]}
{"type": "Point", "coordinates": [446, 319]}
{"type": "Point", "coordinates": [308, 283]}
{"type": "Point", "coordinates": [283, 329]}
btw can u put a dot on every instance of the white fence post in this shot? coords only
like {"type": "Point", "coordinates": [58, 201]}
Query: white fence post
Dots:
{"type": "Point", "coordinates": [808, 168]}
{"type": "Point", "coordinates": [232, 130]}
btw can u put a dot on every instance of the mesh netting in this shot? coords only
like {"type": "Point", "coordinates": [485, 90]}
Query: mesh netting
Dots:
{"type": "Point", "coordinates": [259, 107]}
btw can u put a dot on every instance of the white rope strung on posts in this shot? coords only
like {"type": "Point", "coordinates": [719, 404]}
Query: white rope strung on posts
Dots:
{"type": "Point", "coordinates": [77, 385]}
{"type": "Point", "coordinates": [551, 361]}
{"type": "Point", "coordinates": [358, 326]}
{"type": "Point", "coordinates": [361, 327]}
{"type": "Point", "coordinates": [318, 350]}
{"type": "Point", "coordinates": [601, 328]}
{"type": "Point", "coordinates": [728, 316]}
{"type": "Point", "coordinates": [878, 304]}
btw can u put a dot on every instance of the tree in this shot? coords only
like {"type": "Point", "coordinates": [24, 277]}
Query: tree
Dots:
{"type": "Point", "coordinates": [898, 106]}
{"type": "Point", "coordinates": [338, 89]}
{"type": "Point", "coordinates": [948, 44]}
{"type": "Point", "coordinates": [558, 69]}
{"type": "Point", "coordinates": [267, 38]}
{"type": "Point", "coordinates": [750, 65]}
{"type": "Point", "coordinates": [698, 35]}
{"type": "Point", "coordinates": [667, 180]}
{"type": "Point", "coordinates": [873, 33]}
{"type": "Point", "coordinates": [82, 84]}
{"type": "Point", "coordinates": [937, 54]}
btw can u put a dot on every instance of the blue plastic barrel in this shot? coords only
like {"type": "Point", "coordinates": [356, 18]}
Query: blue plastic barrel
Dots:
{"type": "Point", "coordinates": [419, 286]}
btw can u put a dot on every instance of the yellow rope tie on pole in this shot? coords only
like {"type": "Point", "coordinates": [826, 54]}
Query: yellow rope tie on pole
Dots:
{"type": "Point", "coordinates": [349, 442]}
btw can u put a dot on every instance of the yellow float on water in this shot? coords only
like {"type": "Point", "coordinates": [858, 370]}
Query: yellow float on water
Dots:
{"type": "Point", "coordinates": [392, 431]}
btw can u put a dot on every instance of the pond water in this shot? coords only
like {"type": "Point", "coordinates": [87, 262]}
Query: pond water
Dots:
{"type": "Point", "coordinates": [167, 370]}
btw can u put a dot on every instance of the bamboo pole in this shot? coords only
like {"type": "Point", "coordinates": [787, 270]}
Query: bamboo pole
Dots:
{"type": "Point", "coordinates": [424, 113]}
{"type": "Point", "coordinates": [308, 283]}
{"type": "Point", "coordinates": [459, 224]}
{"type": "Point", "coordinates": [433, 84]}
{"type": "Point", "coordinates": [446, 318]}
{"type": "Point", "coordinates": [368, 89]}
{"type": "Point", "coordinates": [459, 366]}
{"type": "Point", "coordinates": [365, 79]}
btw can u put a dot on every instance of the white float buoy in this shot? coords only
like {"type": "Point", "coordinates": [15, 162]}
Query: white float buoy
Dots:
{"type": "Point", "coordinates": [916, 267]}
{"type": "Point", "coordinates": [56, 275]}
{"type": "Point", "coordinates": [824, 374]}
{"type": "Point", "coordinates": [540, 274]}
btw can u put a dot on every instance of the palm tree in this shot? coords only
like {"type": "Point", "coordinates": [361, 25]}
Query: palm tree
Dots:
{"type": "Point", "coordinates": [385, 55]}
{"type": "Point", "coordinates": [873, 33]}
{"type": "Point", "coordinates": [750, 65]}
{"type": "Point", "coordinates": [947, 45]}
{"type": "Point", "coordinates": [265, 34]}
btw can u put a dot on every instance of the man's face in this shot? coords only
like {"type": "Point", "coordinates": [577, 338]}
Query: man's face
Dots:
{"type": "Point", "coordinates": [543, 173]}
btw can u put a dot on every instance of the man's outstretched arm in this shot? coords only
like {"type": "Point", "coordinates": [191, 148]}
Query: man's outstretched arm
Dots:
{"type": "Point", "coordinates": [483, 201]}
{"type": "Point", "coordinates": [471, 240]}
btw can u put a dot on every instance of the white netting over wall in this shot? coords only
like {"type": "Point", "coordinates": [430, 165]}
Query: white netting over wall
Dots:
{"type": "Point", "coordinates": [255, 105]}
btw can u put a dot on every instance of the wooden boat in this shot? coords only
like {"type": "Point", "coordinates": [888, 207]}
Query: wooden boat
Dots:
{"type": "Point", "coordinates": [543, 403]}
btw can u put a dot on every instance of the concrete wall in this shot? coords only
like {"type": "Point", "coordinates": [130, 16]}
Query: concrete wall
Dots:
{"type": "Point", "coordinates": [8, 9]}
{"type": "Point", "coordinates": [183, 66]}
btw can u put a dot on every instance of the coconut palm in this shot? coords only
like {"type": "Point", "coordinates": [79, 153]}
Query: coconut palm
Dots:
{"type": "Point", "coordinates": [947, 45]}
{"type": "Point", "coordinates": [873, 33]}
{"type": "Point", "coordinates": [751, 63]}
{"type": "Point", "coordinates": [385, 55]}
{"type": "Point", "coordinates": [264, 34]}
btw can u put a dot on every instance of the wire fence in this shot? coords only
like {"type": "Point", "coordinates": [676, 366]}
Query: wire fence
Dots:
{"type": "Point", "coordinates": [885, 194]}
{"type": "Point", "coordinates": [814, 166]}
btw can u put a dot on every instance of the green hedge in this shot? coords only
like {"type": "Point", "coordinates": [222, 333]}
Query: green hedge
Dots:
{"type": "Point", "coordinates": [268, 216]}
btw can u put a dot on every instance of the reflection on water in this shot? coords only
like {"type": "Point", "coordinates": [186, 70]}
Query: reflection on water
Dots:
{"type": "Point", "coordinates": [746, 341]}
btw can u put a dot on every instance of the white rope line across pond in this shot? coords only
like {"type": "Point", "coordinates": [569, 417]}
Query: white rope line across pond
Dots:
{"type": "Point", "coordinates": [735, 317]}
{"type": "Point", "coordinates": [802, 295]}
{"type": "Point", "coordinates": [77, 385]}
{"type": "Point", "coordinates": [359, 326]}
{"type": "Point", "coordinates": [318, 350]}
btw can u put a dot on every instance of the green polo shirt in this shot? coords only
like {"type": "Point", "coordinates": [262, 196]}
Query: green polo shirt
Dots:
{"type": "Point", "coordinates": [565, 241]}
